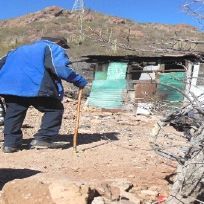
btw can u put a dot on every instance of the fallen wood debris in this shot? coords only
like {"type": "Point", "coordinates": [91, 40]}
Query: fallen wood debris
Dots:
{"type": "Point", "coordinates": [188, 186]}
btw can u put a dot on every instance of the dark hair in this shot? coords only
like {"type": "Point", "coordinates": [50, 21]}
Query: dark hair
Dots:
{"type": "Point", "coordinates": [61, 41]}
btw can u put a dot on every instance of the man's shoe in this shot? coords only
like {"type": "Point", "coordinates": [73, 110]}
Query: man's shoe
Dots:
{"type": "Point", "coordinates": [6, 149]}
{"type": "Point", "coordinates": [40, 144]}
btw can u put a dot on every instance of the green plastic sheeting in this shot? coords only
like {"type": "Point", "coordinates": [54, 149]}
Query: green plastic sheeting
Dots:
{"type": "Point", "coordinates": [117, 70]}
{"type": "Point", "coordinates": [109, 93]}
{"type": "Point", "coordinates": [172, 79]}
{"type": "Point", "coordinates": [101, 75]}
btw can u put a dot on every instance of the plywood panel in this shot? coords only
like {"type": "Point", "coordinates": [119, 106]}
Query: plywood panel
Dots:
{"type": "Point", "coordinates": [144, 90]}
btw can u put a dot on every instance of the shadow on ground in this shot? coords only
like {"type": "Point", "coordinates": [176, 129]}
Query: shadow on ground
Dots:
{"type": "Point", "coordinates": [89, 138]}
{"type": "Point", "coordinates": [7, 175]}
{"type": "Point", "coordinates": [66, 141]}
{"type": "Point", "coordinates": [170, 178]}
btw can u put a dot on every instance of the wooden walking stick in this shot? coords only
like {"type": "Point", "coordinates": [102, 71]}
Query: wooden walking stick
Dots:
{"type": "Point", "coordinates": [77, 120]}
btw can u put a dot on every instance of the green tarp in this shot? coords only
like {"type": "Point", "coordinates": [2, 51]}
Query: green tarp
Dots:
{"type": "Point", "coordinates": [101, 75]}
{"type": "Point", "coordinates": [167, 83]}
{"type": "Point", "coordinates": [117, 70]}
{"type": "Point", "coordinates": [108, 93]}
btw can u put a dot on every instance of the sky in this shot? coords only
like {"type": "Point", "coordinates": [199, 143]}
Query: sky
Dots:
{"type": "Point", "coordinates": [141, 11]}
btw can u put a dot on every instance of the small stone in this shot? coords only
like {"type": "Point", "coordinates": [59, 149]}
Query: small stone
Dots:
{"type": "Point", "coordinates": [98, 200]}
{"type": "Point", "coordinates": [149, 192]}
{"type": "Point", "coordinates": [108, 191]}
{"type": "Point", "coordinates": [123, 185]}
{"type": "Point", "coordinates": [126, 202]}
{"type": "Point", "coordinates": [131, 176]}
{"type": "Point", "coordinates": [130, 197]}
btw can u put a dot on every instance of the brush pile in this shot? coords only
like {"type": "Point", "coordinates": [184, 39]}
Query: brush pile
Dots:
{"type": "Point", "coordinates": [188, 184]}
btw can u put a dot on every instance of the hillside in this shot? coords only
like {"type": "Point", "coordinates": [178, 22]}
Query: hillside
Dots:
{"type": "Point", "coordinates": [99, 34]}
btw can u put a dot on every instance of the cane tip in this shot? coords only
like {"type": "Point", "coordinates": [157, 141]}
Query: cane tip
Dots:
{"type": "Point", "coordinates": [75, 151]}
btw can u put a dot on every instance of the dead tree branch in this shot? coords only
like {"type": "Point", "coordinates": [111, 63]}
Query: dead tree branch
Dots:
{"type": "Point", "coordinates": [170, 46]}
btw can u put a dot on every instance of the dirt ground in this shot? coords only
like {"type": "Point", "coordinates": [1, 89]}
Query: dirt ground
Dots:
{"type": "Point", "coordinates": [110, 146]}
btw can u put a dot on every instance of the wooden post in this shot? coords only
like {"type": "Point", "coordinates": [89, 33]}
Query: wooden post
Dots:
{"type": "Point", "coordinates": [77, 121]}
{"type": "Point", "coordinates": [194, 79]}
{"type": "Point", "coordinates": [189, 71]}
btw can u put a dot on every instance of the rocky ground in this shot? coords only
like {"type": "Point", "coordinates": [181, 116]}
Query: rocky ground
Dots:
{"type": "Point", "coordinates": [114, 163]}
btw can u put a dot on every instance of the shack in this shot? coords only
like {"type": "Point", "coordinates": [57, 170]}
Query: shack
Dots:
{"type": "Point", "coordinates": [119, 80]}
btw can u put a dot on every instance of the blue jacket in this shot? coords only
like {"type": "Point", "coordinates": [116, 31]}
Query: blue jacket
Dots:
{"type": "Point", "coordinates": [35, 70]}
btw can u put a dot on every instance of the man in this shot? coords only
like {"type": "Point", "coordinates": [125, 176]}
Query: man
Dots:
{"type": "Point", "coordinates": [31, 76]}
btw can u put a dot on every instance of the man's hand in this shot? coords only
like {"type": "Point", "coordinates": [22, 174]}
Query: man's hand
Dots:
{"type": "Point", "coordinates": [81, 82]}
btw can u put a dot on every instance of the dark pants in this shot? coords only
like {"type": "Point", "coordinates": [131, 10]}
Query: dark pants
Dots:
{"type": "Point", "coordinates": [16, 108]}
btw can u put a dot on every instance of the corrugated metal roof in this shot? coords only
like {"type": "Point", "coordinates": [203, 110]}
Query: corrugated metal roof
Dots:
{"type": "Point", "coordinates": [142, 58]}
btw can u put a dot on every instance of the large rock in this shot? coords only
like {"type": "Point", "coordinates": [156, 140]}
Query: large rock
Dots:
{"type": "Point", "coordinates": [116, 191]}
{"type": "Point", "coordinates": [64, 192]}
{"type": "Point", "coordinates": [26, 191]}
{"type": "Point", "coordinates": [36, 192]}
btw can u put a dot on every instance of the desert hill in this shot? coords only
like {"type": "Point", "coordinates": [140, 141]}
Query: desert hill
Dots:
{"type": "Point", "coordinates": [96, 33]}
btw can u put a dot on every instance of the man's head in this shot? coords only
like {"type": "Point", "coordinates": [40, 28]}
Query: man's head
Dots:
{"type": "Point", "coordinates": [61, 41]}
